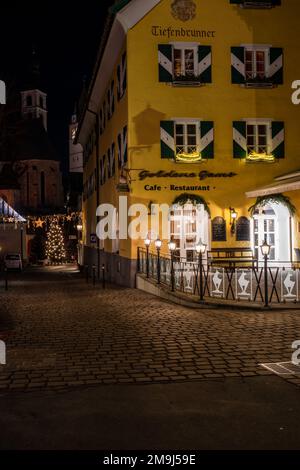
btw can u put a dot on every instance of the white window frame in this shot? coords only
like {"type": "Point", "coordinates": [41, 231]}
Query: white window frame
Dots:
{"type": "Point", "coordinates": [257, 123]}
{"type": "Point", "coordinates": [255, 48]}
{"type": "Point", "coordinates": [183, 46]}
{"type": "Point", "coordinates": [185, 123]}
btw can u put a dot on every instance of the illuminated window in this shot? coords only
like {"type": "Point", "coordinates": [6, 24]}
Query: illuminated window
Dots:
{"type": "Point", "coordinates": [184, 62]}
{"type": "Point", "coordinates": [74, 130]}
{"type": "Point", "coordinates": [255, 63]}
{"type": "Point", "coordinates": [187, 138]}
{"type": "Point", "coordinates": [257, 138]}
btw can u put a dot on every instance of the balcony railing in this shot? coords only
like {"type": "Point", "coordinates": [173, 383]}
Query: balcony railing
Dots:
{"type": "Point", "coordinates": [233, 283]}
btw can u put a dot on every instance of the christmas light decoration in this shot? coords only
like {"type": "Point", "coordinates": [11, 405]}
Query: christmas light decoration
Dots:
{"type": "Point", "coordinates": [55, 246]}
{"type": "Point", "coordinates": [260, 157]}
{"type": "Point", "coordinates": [188, 157]}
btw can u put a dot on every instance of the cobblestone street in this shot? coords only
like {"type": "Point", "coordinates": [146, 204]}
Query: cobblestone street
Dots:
{"type": "Point", "coordinates": [61, 333]}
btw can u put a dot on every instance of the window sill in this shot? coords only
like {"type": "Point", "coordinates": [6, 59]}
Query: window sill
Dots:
{"type": "Point", "coordinates": [192, 162]}
{"type": "Point", "coordinates": [268, 162]}
{"type": "Point", "coordinates": [257, 5]}
{"type": "Point", "coordinates": [187, 83]}
{"type": "Point", "coordinates": [257, 85]}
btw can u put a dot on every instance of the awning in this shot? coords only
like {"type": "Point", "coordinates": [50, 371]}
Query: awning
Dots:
{"type": "Point", "coordinates": [7, 211]}
{"type": "Point", "coordinates": [282, 184]}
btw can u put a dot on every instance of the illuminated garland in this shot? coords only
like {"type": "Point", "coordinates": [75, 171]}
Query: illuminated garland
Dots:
{"type": "Point", "coordinates": [260, 157]}
{"type": "Point", "coordinates": [188, 157]}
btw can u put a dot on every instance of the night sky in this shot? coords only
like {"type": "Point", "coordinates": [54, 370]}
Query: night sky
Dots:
{"type": "Point", "coordinates": [66, 36]}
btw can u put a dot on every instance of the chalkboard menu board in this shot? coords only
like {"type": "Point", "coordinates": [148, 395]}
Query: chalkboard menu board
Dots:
{"type": "Point", "coordinates": [243, 230]}
{"type": "Point", "coordinates": [218, 229]}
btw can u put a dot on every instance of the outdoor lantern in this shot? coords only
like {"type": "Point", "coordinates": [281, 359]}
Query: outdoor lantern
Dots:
{"type": "Point", "coordinates": [147, 242]}
{"type": "Point", "coordinates": [200, 248]}
{"type": "Point", "coordinates": [172, 246]}
{"type": "Point", "coordinates": [265, 248]}
{"type": "Point", "coordinates": [233, 217]}
{"type": "Point", "coordinates": [158, 244]}
{"type": "Point", "coordinates": [79, 227]}
{"type": "Point", "coordinates": [233, 214]}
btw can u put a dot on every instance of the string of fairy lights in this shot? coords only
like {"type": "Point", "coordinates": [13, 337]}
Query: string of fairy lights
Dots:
{"type": "Point", "coordinates": [55, 246]}
{"type": "Point", "coordinates": [44, 221]}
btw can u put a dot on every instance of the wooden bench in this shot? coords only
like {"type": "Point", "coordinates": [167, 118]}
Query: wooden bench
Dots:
{"type": "Point", "coordinates": [231, 257]}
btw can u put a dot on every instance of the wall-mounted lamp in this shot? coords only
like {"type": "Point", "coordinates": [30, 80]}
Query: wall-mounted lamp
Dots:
{"type": "Point", "coordinates": [233, 217]}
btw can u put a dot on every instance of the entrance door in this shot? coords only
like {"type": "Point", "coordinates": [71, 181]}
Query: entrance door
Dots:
{"type": "Point", "coordinates": [265, 229]}
{"type": "Point", "coordinates": [272, 223]}
{"type": "Point", "coordinates": [189, 224]}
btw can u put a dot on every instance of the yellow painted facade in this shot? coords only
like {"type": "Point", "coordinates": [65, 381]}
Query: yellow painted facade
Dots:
{"type": "Point", "coordinates": [148, 101]}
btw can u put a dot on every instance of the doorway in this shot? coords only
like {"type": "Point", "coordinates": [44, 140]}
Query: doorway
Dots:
{"type": "Point", "coordinates": [188, 225]}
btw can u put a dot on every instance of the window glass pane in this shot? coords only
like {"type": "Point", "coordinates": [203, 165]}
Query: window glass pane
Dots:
{"type": "Point", "coordinates": [189, 62]}
{"type": "Point", "coordinates": [177, 62]}
{"type": "Point", "coordinates": [262, 140]}
{"type": "Point", "coordinates": [179, 140]}
{"type": "Point", "coordinates": [250, 140]}
{"type": "Point", "coordinates": [262, 129]}
{"type": "Point", "coordinates": [250, 129]}
{"type": "Point", "coordinates": [272, 239]}
{"type": "Point", "coordinates": [191, 129]}
{"type": "Point", "coordinates": [179, 129]}
{"type": "Point", "coordinates": [272, 225]}
{"type": "Point", "coordinates": [192, 140]}
{"type": "Point", "coordinates": [260, 56]}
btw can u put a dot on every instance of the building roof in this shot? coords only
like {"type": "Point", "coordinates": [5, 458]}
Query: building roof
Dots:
{"type": "Point", "coordinates": [122, 16]}
{"type": "Point", "coordinates": [7, 211]}
{"type": "Point", "coordinates": [29, 142]}
{"type": "Point", "coordinates": [282, 184]}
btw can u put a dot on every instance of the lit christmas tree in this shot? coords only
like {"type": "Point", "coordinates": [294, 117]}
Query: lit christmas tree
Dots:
{"type": "Point", "coordinates": [55, 245]}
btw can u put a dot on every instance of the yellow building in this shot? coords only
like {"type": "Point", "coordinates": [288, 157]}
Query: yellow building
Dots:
{"type": "Point", "coordinates": [194, 97]}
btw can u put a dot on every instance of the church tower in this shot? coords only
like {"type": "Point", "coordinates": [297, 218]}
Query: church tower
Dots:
{"type": "Point", "coordinates": [75, 150]}
{"type": "Point", "coordinates": [34, 101]}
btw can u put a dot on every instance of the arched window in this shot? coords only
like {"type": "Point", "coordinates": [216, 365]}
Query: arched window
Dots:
{"type": "Point", "coordinates": [43, 188]}
{"type": "Point", "coordinates": [218, 229]}
{"type": "Point", "coordinates": [243, 229]}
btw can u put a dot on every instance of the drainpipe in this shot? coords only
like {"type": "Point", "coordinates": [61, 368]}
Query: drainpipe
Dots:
{"type": "Point", "coordinates": [97, 183]}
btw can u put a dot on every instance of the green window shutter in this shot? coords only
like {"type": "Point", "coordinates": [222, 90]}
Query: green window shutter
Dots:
{"type": "Point", "coordinates": [204, 64]}
{"type": "Point", "coordinates": [277, 145]}
{"type": "Point", "coordinates": [276, 65]}
{"type": "Point", "coordinates": [238, 73]}
{"type": "Point", "coordinates": [165, 62]}
{"type": "Point", "coordinates": [239, 139]}
{"type": "Point", "coordinates": [207, 139]}
{"type": "Point", "coordinates": [167, 142]}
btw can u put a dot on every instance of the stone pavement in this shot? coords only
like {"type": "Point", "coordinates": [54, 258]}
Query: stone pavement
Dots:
{"type": "Point", "coordinates": [63, 333]}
